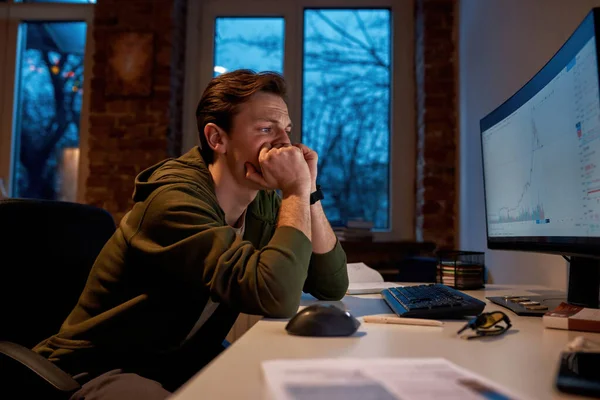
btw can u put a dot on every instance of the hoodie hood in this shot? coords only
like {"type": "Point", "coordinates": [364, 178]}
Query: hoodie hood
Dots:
{"type": "Point", "coordinates": [189, 168]}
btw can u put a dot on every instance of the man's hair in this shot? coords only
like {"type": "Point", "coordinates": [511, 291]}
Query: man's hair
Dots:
{"type": "Point", "coordinates": [225, 93]}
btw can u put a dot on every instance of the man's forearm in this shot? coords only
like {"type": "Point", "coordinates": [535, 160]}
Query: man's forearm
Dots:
{"type": "Point", "coordinates": [323, 237]}
{"type": "Point", "coordinates": [295, 212]}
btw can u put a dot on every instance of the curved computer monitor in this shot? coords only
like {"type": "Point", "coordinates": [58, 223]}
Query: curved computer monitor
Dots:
{"type": "Point", "coordinates": [541, 163]}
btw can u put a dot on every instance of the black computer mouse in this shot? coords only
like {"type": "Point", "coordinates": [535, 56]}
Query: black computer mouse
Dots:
{"type": "Point", "coordinates": [322, 320]}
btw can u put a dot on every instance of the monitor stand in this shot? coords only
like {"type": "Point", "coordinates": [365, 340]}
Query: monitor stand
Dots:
{"type": "Point", "coordinates": [583, 290]}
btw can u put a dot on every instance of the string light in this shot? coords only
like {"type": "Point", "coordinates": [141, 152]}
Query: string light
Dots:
{"type": "Point", "coordinates": [55, 70]}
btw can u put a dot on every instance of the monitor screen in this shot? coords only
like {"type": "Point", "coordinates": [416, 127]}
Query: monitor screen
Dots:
{"type": "Point", "coordinates": [541, 156]}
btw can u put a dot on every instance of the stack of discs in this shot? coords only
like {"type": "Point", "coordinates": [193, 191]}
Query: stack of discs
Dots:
{"type": "Point", "coordinates": [460, 275]}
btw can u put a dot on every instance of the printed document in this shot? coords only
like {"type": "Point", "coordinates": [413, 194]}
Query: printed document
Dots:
{"type": "Point", "coordinates": [377, 379]}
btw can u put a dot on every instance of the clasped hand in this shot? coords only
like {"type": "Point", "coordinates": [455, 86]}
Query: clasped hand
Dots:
{"type": "Point", "coordinates": [290, 168]}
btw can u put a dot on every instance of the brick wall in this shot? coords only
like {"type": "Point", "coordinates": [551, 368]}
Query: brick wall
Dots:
{"type": "Point", "coordinates": [436, 106]}
{"type": "Point", "coordinates": [128, 134]}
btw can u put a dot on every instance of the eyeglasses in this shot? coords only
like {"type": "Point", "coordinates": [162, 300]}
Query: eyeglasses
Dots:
{"type": "Point", "coordinates": [486, 324]}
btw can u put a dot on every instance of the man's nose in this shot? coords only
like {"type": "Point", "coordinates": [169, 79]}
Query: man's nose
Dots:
{"type": "Point", "coordinates": [282, 138]}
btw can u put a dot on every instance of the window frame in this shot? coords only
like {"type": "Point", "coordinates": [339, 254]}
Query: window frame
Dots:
{"type": "Point", "coordinates": [12, 14]}
{"type": "Point", "coordinates": [199, 65]}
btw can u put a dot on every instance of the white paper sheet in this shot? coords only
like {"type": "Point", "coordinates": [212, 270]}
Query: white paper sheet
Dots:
{"type": "Point", "coordinates": [361, 272]}
{"type": "Point", "coordinates": [364, 279]}
{"type": "Point", "coordinates": [369, 287]}
{"type": "Point", "coordinates": [377, 378]}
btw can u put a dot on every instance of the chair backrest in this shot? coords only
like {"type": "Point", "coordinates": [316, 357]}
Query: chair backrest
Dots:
{"type": "Point", "coordinates": [47, 249]}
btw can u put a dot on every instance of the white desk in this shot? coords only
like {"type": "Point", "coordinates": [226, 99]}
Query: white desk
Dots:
{"type": "Point", "coordinates": [524, 359]}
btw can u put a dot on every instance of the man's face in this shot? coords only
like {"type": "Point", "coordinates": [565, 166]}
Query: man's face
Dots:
{"type": "Point", "coordinates": [262, 120]}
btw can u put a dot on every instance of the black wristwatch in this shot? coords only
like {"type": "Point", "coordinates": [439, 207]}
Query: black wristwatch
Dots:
{"type": "Point", "coordinates": [316, 195]}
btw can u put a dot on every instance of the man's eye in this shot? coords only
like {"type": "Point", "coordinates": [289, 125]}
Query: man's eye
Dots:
{"type": "Point", "coordinates": [265, 130]}
{"type": "Point", "coordinates": [289, 133]}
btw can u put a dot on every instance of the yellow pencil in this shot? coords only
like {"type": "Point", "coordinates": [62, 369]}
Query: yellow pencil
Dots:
{"type": "Point", "coordinates": [377, 319]}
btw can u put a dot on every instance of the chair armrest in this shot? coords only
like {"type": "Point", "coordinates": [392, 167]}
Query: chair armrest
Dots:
{"type": "Point", "coordinates": [55, 376]}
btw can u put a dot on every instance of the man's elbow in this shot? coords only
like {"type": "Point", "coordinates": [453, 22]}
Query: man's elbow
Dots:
{"type": "Point", "coordinates": [279, 298]}
{"type": "Point", "coordinates": [331, 293]}
{"type": "Point", "coordinates": [339, 287]}
{"type": "Point", "coordinates": [286, 307]}
{"type": "Point", "coordinates": [338, 292]}
{"type": "Point", "coordinates": [331, 290]}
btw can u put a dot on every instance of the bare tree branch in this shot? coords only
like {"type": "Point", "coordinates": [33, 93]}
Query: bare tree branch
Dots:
{"type": "Point", "coordinates": [363, 29]}
{"type": "Point", "coordinates": [318, 38]}
{"type": "Point", "coordinates": [268, 44]}
{"type": "Point", "coordinates": [43, 130]}
{"type": "Point", "coordinates": [335, 59]}
{"type": "Point", "coordinates": [351, 38]}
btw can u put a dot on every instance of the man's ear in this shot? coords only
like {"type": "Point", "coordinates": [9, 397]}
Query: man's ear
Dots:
{"type": "Point", "coordinates": [216, 138]}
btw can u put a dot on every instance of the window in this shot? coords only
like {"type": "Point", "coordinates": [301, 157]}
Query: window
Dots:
{"type": "Point", "coordinates": [253, 43]}
{"type": "Point", "coordinates": [345, 109]}
{"type": "Point", "coordinates": [349, 98]}
{"type": "Point", "coordinates": [43, 95]}
{"type": "Point", "coordinates": [50, 88]}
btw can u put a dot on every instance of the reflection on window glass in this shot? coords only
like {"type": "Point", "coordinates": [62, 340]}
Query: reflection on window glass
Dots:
{"type": "Point", "coordinates": [346, 104]}
{"type": "Point", "coordinates": [252, 43]}
{"type": "Point", "coordinates": [49, 104]}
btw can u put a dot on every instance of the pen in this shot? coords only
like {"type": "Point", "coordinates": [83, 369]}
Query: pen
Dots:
{"type": "Point", "coordinates": [402, 321]}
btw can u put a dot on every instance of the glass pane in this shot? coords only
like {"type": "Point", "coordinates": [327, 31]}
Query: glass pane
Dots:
{"type": "Point", "coordinates": [346, 107]}
{"type": "Point", "coordinates": [253, 43]}
{"type": "Point", "coordinates": [49, 105]}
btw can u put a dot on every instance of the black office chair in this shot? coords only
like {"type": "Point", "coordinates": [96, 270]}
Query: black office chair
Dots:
{"type": "Point", "coordinates": [46, 254]}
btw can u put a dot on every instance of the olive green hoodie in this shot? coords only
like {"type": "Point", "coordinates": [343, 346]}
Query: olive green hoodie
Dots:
{"type": "Point", "coordinates": [171, 254]}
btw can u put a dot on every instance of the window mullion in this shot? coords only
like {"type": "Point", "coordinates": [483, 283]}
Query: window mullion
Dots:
{"type": "Point", "coordinates": [51, 12]}
{"type": "Point", "coordinates": [402, 127]}
{"type": "Point", "coordinates": [4, 96]}
{"type": "Point", "coordinates": [9, 49]}
{"type": "Point", "coordinates": [88, 62]}
{"type": "Point", "coordinates": [194, 61]}
{"type": "Point", "coordinates": [293, 64]}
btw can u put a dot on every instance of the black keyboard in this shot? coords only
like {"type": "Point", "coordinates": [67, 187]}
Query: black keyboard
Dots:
{"type": "Point", "coordinates": [431, 301]}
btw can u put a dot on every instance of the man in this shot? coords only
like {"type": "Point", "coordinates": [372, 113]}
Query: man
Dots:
{"type": "Point", "coordinates": [207, 238]}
